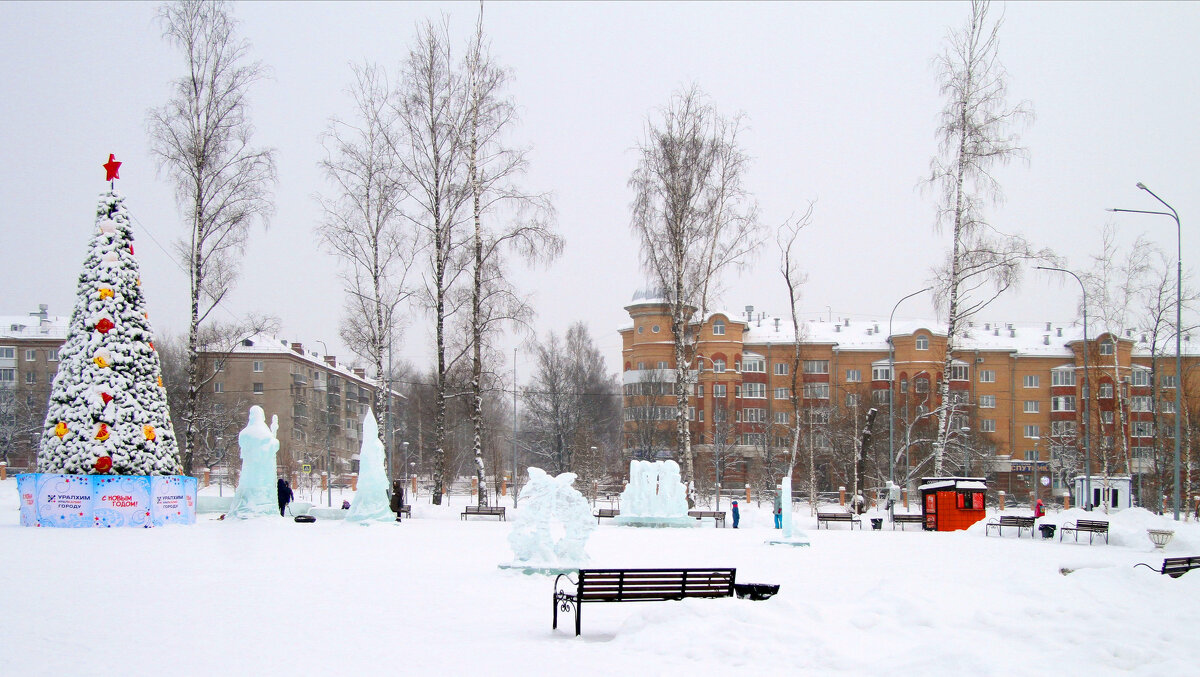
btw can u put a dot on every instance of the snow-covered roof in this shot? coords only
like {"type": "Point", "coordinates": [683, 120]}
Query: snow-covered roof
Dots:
{"type": "Point", "coordinates": [34, 326]}
{"type": "Point", "coordinates": [265, 344]}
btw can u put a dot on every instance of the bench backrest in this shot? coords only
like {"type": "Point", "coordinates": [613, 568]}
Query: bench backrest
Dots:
{"type": "Point", "coordinates": [1178, 562]}
{"type": "Point", "coordinates": [1091, 524]}
{"type": "Point", "coordinates": [484, 509]}
{"type": "Point", "coordinates": [836, 516]}
{"type": "Point", "coordinates": [1014, 520]}
{"type": "Point", "coordinates": [612, 585]}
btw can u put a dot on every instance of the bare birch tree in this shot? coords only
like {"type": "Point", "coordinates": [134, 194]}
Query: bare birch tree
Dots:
{"type": "Point", "coordinates": [694, 219]}
{"type": "Point", "coordinates": [429, 104]}
{"type": "Point", "coordinates": [492, 168]}
{"type": "Point", "coordinates": [362, 223]}
{"type": "Point", "coordinates": [975, 135]}
{"type": "Point", "coordinates": [202, 138]}
{"type": "Point", "coordinates": [794, 279]}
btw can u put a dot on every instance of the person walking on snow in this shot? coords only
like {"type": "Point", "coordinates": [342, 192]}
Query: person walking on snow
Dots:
{"type": "Point", "coordinates": [285, 494]}
{"type": "Point", "coordinates": [1039, 510]}
{"type": "Point", "coordinates": [735, 515]}
{"type": "Point", "coordinates": [779, 509]}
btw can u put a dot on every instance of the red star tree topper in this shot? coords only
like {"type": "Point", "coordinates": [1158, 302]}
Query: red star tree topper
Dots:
{"type": "Point", "coordinates": [111, 168]}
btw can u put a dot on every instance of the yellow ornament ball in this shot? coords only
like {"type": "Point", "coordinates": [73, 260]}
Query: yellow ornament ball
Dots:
{"type": "Point", "coordinates": [100, 361]}
{"type": "Point", "coordinates": [106, 293]}
{"type": "Point", "coordinates": [148, 431]}
{"type": "Point", "coordinates": [61, 429]}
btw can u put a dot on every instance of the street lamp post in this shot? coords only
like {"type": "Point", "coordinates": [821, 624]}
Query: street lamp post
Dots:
{"type": "Point", "coordinates": [1036, 456]}
{"type": "Point", "coordinates": [892, 388]}
{"type": "Point", "coordinates": [328, 445]}
{"type": "Point", "coordinates": [1178, 327]}
{"type": "Point", "coordinates": [1087, 396]}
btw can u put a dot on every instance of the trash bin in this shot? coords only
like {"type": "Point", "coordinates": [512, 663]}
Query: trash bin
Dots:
{"type": "Point", "coordinates": [1047, 530]}
{"type": "Point", "coordinates": [876, 523]}
{"type": "Point", "coordinates": [755, 591]}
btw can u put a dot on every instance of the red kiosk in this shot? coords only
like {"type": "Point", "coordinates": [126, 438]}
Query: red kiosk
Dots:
{"type": "Point", "coordinates": [952, 503]}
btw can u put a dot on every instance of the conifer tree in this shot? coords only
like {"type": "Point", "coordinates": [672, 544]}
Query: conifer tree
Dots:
{"type": "Point", "coordinates": [108, 409]}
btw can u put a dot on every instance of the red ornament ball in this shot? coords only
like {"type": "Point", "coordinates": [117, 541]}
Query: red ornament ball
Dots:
{"type": "Point", "coordinates": [104, 325]}
{"type": "Point", "coordinates": [104, 463]}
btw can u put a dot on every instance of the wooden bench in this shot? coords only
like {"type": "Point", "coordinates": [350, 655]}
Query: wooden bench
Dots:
{"type": "Point", "coordinates": [606, 512]}
{"type": "Point", "coordinates": [405, 510]}
{"type": "Point", "coordinates": [1174, 566]}
{"type": "Point", "coordinates": [1092, 527]}
{"type": "Point", "coordinates": [638, 585]}
{"type": "Point", "coordinates": [717, 515]}
{"type": "Point", "coordinates": [828, 517]}
{"type": "Point", "coordinates": [907, 518]}
{"type": "Point", "coordinates": [484, 511]}
{"type": "Point", "coordinates": [1012, 521]}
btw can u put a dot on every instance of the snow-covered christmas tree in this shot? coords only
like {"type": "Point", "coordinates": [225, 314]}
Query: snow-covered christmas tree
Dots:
{"type": "Point", "coordinates": [108, 409]}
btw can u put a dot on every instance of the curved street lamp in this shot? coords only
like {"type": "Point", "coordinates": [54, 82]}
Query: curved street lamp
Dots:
{"type": "Point", "coordinates": [1178, 326]}
{"type": "Point", "coordinates": [1087, 420]}
{"type": "Point", "coordinates": [892, 387]}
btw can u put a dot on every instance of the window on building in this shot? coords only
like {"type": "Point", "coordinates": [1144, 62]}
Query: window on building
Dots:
{"type": "Point", "coordinates": [921, 385]}
{"type": "Point", "coordinates": [922, 343]}
{"type": "Point", "coordinates": [1032, 431]}
{"type": "Point", "coordinates": [1106, 417]}
{"type": "Point", "coordinates": [1106, 391]}
{"type": "Point", "coordinates": [719, 328]}
{"type": "Point", "coordinates": [852, 399]}
{"type": "Point", "coordinates": [641, 330]}
{"type": "Point", "coordinates": [987, 425]}
{"type": "Point", "coordinates": [753, 439]}
{"type": "Point", "coordinates": [1031, 455]}
{"type": "Point", "coordinates": [781, 369]}
{"type": "Point", "coordinates": [1167, 406]}
{"type": "Point", "coordinates": [691, 413]}
{"type": "Point", "coordinates": [1063, 403]}
{"type": "Point", "coordinates": [987, 401]}
{"type": "Point", "coordinates": [781, 417]}
{"type": "Point", "coordinates": [737, 365]}
{"type": "Point", "coordinates": [903, 385]}
{"type": "Point", "coordinates": [1106, 347]}
{"type": "Point", "coordinates": [701, 415]}
{"type": "Point", "coordinates": [52, 355]}
{"type": "Point", "coordinates": [754, 415]}
{"type": "Point", "coordinates": [1141, 378]}
{"type": "Point", "coordinates": [656, 329]}
{"type": "Point", "coordinates": [1032, 381]}
{"type": "Point", "coordinates": [258, 388]}
{"type": "Point", "coordinates": [720, 415]}
{"type": "Point", "coordinates": [987, 375]}
{"type": "Point", "coordinates": [719, 390]}
{"type": "Point", "coordinates": [258, 366]}
{"type": "Point", "coordinates": [816, 391]}
{"type": "Point", "coordinates": [718, 366]}
{"type": "Point", "coordinates": [958, 397]}
{"type": "Point", "coordinates": [8, 353]}
{"type": "Point", "coordinates": [783, 393]}
{"type": "Point", "coordinates": [756, 365]}
{"type": "Point", "coordinates": [1032, 406]}
{"type": "Point", "coordinates": [1167, 380]}
{"type": "Point", "coordinates": [30, 355]}
{"type": "Point", "coordinates": [700, 390]}
{"type": "Point", "coordinates": [1062, 428]}
{"type": "Point", "coordinates": [756, 390]}
{"type": "Point", "coordinates": [737, 391]}
{"type": "Point", "coordinates": [883, 373]}
{"type": "Point", "coordinates": [816, 366]}
{"type": "Point", "coordinates": [218, 387]}
{"type": "Point", "coordinates": [818, 415]}
{"type": "Point", "coordinates": [960, 372]}
{"type": "Point", "coordinates": [880, 396]}
{"type": "Point", "coordinates": [30, 378]}
{"type": "Point", "coordinates": [662, 364]}
{"type": "Point", "coordinates": [1143, 429]}
{"type": "Point", "coordinates": [1141, 403]}
{"type": "Point", "coordinates": [1062, 377]}
{"type": "Point", "coordinates": [641, 366]}
{"type": "Point", "coordinates": [853, 376]}
{"type": "Point", "coordinates": [8, 375]}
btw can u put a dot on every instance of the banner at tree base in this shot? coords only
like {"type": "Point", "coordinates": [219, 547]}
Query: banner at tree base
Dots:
{"type": "Point", "coordinates": [79, 501]}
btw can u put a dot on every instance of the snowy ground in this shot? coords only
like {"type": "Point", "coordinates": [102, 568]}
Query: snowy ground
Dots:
{"type": "Point", "coordinates": [272, 597]}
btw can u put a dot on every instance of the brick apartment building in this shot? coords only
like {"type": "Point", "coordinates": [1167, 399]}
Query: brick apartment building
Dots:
{"type": "Point", "coordinates": [1016, 389]}
{"type": "Point", "coordinates": [304, 388]}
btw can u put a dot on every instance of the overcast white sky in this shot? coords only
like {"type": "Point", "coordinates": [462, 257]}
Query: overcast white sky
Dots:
{"type": "Point", "coordinates": [841, 100]}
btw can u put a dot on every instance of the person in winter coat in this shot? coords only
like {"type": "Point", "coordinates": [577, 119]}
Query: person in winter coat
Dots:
{"type": "Point", "coordinates": [735, 515]}
{"type": "Point", "coordinates": [1039, 510]}
{"type": "Point", "coordinates": [285, 494]}
{"type": "Point", "coordinates": [779, 509]}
